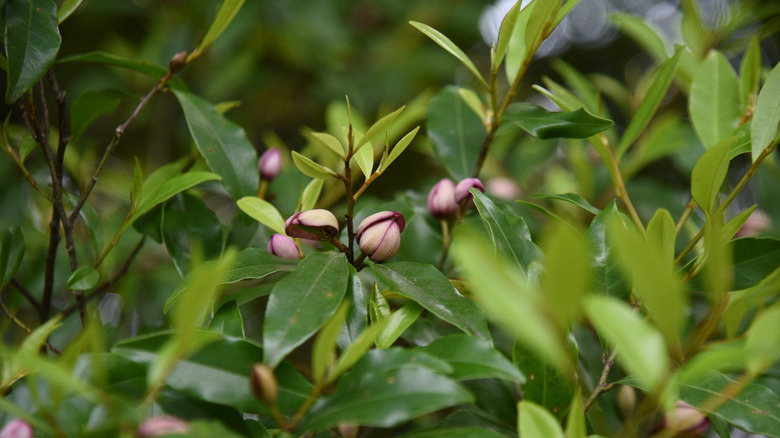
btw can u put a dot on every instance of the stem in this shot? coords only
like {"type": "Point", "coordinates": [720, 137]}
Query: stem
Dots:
{"type": "Point", "coordinates": [602, 386]}
{"type": "Point", "coordinates": [315, 392]}
{"type": "Point", "coordinates": [24, 327]}
{"type": "Point", "coordinates": [26, 294]}
{"type": "Point", "coordinates": [351, 199]}
{"type": "Point", "coordinates": [703, 331]}
{"type": "Point", "coordinates": [622, 193]}
{"type": "Point", "coordinates": [261, 191]}
{"type": "Point", "coordinates": [689, 208]}
{"type": "Point", "coordinates": [445, 242]}
{"type": "Point", "coordinates": [365, 185]}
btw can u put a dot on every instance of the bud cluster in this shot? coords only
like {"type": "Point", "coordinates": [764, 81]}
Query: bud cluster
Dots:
{"type": "Point", "coordinates": [445, 198]}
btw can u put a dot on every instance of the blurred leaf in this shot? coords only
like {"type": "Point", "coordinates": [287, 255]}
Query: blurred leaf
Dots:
{"type": "Point", "coordinates": [188, 223]}
{"type": "Point", "coordinates": [535, 421]}
{"type": "Point", "coordinates": [11, 254]}
{"type": "Point", "coordinates": [709, 173]}
{"type": "Point", "coordinates": [714, 103]}
{"type": "Point", "coordinates": [99, 57]}
{"type": "Point", "coordinates": [91, 104]}
{"type": "Point", "coordinates": [661, 232]}
{"type": "Point", "coordinates": [763, 341]}
{"type": "Point", "coordinates": [365, 160]}
{"type": "Point", "coordinates": [222, 143]}
{"type": "Point", "coordinates": [398, 149]}
{"type": "Point", "coordinates": [431, 289]}
{"type": "Point", "coordinates": [722, 357]}
{"type": "Point", "coordinates": [473, 101]}
{"type": "Point", "coordinates": [641, 349]}
{"type": "Point", "coordinates": [32, 40]}
{"type": "Point", "coordinates": [385, 398]}
{"type": "Point", "coordinates": [544, 124]}
{"type": "Point", "coordinates": [732, 227]}
{"type": "Point", "coordinates": [449, 46]}
{"type": "Point", "coordinates": [503, 236]}
{"type": "Point", "coordinates": [583, 86]}
{"type": "Point", "coordinates": [566, 279]}
{"type": "Point", "coordinates": [301, 303]}
{"type": "Point", "coordinates": [83, 278]}
{"type": "Point", "coordinates": [754, 259]}
{"type": "Point", "coordinates": [766, 117]}
{"type": "Point", "coordinates": [756, 409]}
{"type": "Point", "coordinates": [641, 32]}
{"type": "Point", "coordinates": [455, 432]}
{"type": "Point", "coordinates": [575, 422]}
{"type": "Point", "coordinates": [532, 21]}
{"type": "Point", "coordinates": [311, 169]}
{"type": "Point", "coordinates": [324, 348]}
{"type": "Point", "coordinates": [571, 198]}
{"type": "Point", "coordinates": [377, 128]}
{"type": "Point", "coordinates": [545, 384]}
{"type": "Point", "coordinates": [650, 103]}
{"type": "Point", "coordinates": [397, 323]}
{"type": "Point", "coordinates": [330, 142]}
{"type": "Point", "coordinates": [14, 367]}
{"type": "Point", "coordinates": [455, 131]}
{"type": "Point", "coordinates": [227, 11]}
{"type": "Point", "coordinates": [473, 358]}
{"type": "Point", "coordinates": [263, 212]}
{"type": "Point", "coordinates": [750, 73]}
{"type": "Point", "coordinates": [228, 320]}
{"type": "Point", "coordinates": [68, 7]}
{"type": "Point", "coordinates": [607, 278]}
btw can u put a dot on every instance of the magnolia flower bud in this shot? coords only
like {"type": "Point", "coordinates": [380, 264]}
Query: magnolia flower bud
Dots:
{"type": "Point", "coordinates": [263, 384]}
{"type": "Point", "coordinates": [757, 222]}
{"type": "Point", "coordinates": [379, 235]}
{"type": "Point", "coordinates": [504, 188]}
{"type": "Point", "coordinates": [312, 224]}
{"type": "Point", "coordinates": [178, 61]}
{"type": "Point", "coordinates": [17, 429]}
{"type": "Point", "coordinates": [626, 400]}
{"type": "Point", "coordinates": [282, 246]}
{"type": "Point", "coordinates": [441, 199]}
{"type": "Point", "coordinates": [686, 421]}
{"type": "Point", "coordinates": [163, 425]}
{"type": "Point", "coordinates": [270, 164]}
{"type": "Point", "coordinates": [462, 194]}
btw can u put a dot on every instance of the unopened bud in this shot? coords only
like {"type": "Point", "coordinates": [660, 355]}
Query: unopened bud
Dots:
{"type": "Point", "coordinates": [270, 164]}
{"type": "Point", "coordinates": [315, 224]}
{"type": "Point", "coordinates": [441, 199]}
{"type": "Point", "coordinates": [686, 421]}
{"type": "Point", "coordinates": [17, 429]}
{"type": "Point", "coordinates": [757, 222]}
{"type": "Point", "coordinates": [462, 194]}
{"type": "Point", "coordinates": [504, 188]}
{"type": "Point", "coordinates": [626, 400]}
{"type": "Point", "coordinates": [263, 384]}
{"type": "Point", "coordinates": [348, 430]}
{"type": "Point", "coordinates": [178, 62]}
{"type": "Point", "coordinates": [379, 235]}
{"type": "Point", "coordinates": [163, 425]}
{"type": "Point", "coordinates": [282, 246]}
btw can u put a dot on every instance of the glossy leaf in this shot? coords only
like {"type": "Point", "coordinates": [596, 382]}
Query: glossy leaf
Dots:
{"type": "Point", "coordinates": [754, 259]}
{"type": "Point", "coordinates": [68, 7]}
{"type": "Point", "coordinates": [227, 11]}
{"type": "Point", "coordinates": [397, 323]}
{"type": "Point", "coordinates": [302, 303]}
{"type": "Point", "coordinates": [222, 143]}
{"type": "Point", "coordinates": [311, 193]}
{"type": "Point", "coordinates": [571, 198]}
{"type": "Point", "coordinates": [398, 149]}
{"type": "Point", "coordinates": [431, 289]}
{"type": "Point", "coordinates": [750, 73]}
{"type": "Point", "coordinates": [324, 348]}
{"type": "Point", "coordinates": [378, 128]}
{"type": "Point", "coordinates": [641, 349]}
{"type": "Point", "coordinates": [330, 142]}
{"type": "Point", "coordinates": [545, 384]}
{"type": "Point", "coordinates": [385, 398]}
{"type": "Point", "coordinates": [473, 358]}
{"type": "Point", "coordinates": [311, 169]}
{"type": "Point", "coordinates": [32, 40]}
{"type": "Point", "coordinates": [357, 349]}
{"type": "Point", "coordinates": [766, 117]}
{"type": "Point", "coordinates": [544, 124]}
{"type": "Point", "coordinates": [83, 278]}
{"type": "Point", "coordinates": [503, 236]}
{"type": "Point", "coordinates": [228, 320]}
{"type": "Point", "coordinates": [449, 46]}
{"type": "Point", "coordinates": [607, 277]}
{"type": "Point", "coordinates": [155, 194]}
{"type": "Point", "coordinates": [263, 212]}
{"type": "Point", "coordinates": [357, 318]}
{"type": "Point", "coordinates": [188, 223]}
{"type": "Point", "coordinates": [455, 131]}
{"type": "Point", "coordinates": [650, 102]}
{"type": "Point", "coordinates": [535, 421]}
{"type": "Point", "coordinates": [11, 254]}
{"type": "Point", "coordinates": [364, 157]}
{"type": "Point", "coordinates": [714, 103]}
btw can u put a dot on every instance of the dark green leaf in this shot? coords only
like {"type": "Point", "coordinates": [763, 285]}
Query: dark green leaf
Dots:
{"type": "Point", "coordinates": [714, 103]}
{"type": "Point", "coordinates": [431, 289]}
{"type": "Point", "coordinates": [503, 235]}
{"type": "Point", "coordinates": [763, 128]}
{"type": "Point", "coordinates": [456, 432]}
{"type": "Point", "coordinates": [357, 318]}
{"type": "Point", "coordinates": [67, 8]}
{"type": "Point", "coordinates": [222, 143]}
{"type": "Point", "coordinates": [473, 358]}
{"type": "Point", "coordinates": [571, 198]}
{"type": "Point", "coordinates": [544, 384]}
{"type": "Point", "coordinates": [385, 398]}
{"type": "Point", "coordinates": [11, 253]}
{"type": "Point", "coordinates": [302, 302]}
{"type": "Point", "coordinates": [754, 259]}
{"type": "Point", "coordinates": [83, 278]}
{"type": "Point", "coordinates": [32, 40]}
{"type": "Point", "coordinates": [455, 131]}
{"type": "Point", "coordinates": [91, 104]}
{"type": "Point", "coordinates": [395, 358]}
{"type": "Point", "coordinates": [228, 320]}
{"type": "Point", "coordinates": [544, 124]}
{"type": "Point", "coordinates": [449, 46]}
{"type": "Point", "coordinates": [188, 223]}
{"type": "Point", "coordinates": [98, 57]}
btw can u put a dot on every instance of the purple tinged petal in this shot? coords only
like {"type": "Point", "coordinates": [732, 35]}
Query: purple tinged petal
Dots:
{"type": "Point", "coordinates": [379, 235]}
{"type": "Point", "coordinates": [17, 429]}
{"type": "Point", "coordinates": [283, 246]}
{"type": "Point", "coordinates": [315, 224]}
{"type": "Point", "coordinates": [441, 199]}
{"type": "Point", "coordinates": [270, 164]}
{"type": "Point", "coordinates": [163, 425]}
{"type": "Point", "coordinates": [462, 194]}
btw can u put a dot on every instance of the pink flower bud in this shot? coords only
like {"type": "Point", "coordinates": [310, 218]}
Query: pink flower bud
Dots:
{"type": "Point", "coordinates": [504, 188]}
{"type": "Point", "coordinates": [270, 164]}
{"type": "Point", "coordinates": [17, 429]}
{"type": "Point", "coordinates": [441, 199]}
{"type": "Point", "coordinates": [379, 235]}
{"type": "Point", "coordinates": [163, 425]}
{"type": "Point", "coordinates": [757, 222]}
{"type": "Point", "coordinates": [686, 421]}
{"type": "Point", "coordinates": [462, 194]}
{"type": "Point", "coordinates": [282, 246]}
{"type": "Point", "coordinates": [315, 224]}
{"type": "Point", "coordinates": [263, 384]}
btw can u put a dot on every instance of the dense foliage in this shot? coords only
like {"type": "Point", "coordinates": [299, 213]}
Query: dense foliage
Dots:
{"type": "Point", "coordinates": [545, 249]}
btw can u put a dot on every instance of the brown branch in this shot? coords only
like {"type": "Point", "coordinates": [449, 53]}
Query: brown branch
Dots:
{"type": "Point", "coordinates": [602, 386]}
{"type": "Point", "coordinates": [26, 294]}
{"type": "Point", "coordinates": [21, 324]}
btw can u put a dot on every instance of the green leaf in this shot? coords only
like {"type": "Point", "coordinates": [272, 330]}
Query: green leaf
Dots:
{"type": "Point", "coordinates": [454, 432]}
{"type": "Point", "coordinates": [83, 278]}
{"type": "Point", "coordinates": [385, 398]}
{"type": "Point", "coordinates": [91, 104]}
{"type": "Point", "coordinates": [431, 289]}
{"type": "Point", "coordinates": [714, 103]}
{"type": "Point", "coordinates": [473, 358]}
{"type": "Point", "coordinates": [733, 226]}
{"type": "Point", "coordinates": [398, 149]}
{"type": "Point", "coordinates": [754, 259]}
{"type": "Point", "coordinates": [641, 31]}
{"type": "Point", "coordinates": [188, 223]}
{"type": "Point", "coordinates": [154, 194]}
{"type": "Point", "coordinates": [535, 421]}
{"type": "Point", "coordinates": [575, 423]}
{"type": "Point", "coordinates": [662, 232]}
{"type": "Point", "coordinates": [379, 127]}
{"type": "Point", "coordinates": [544, 124]}
{"type": "Point", "coordinates": [449, 46]}
{"type": "Point", "coordinates": [365, 160]}
{"type": "Point", "coordinates": [533, 24]}
{"type": "Point", "coordinates": [263, 212]}
{"type": "Point", "coordinates": [68, 7]}
{"type": "Point", "coordinates": [311, 193]}
{"type": "Point", "coordinates": [357, 349]}
{"type": "Point", "coordinates": [545, 384]}
{"type": "Point", "coordinates": [709, 173]}
{"type": "Point", "coordinates": [607, 277]}
{"type": "Point", "coordinates": [32, 40]}
{"type": "Point", "coordinates": [222, 143]}
{"type": "Point", "coordinates": [455, 131]}
{"type": "Point", "coordinates": [641, 349]}
{"type": "Point", "coordinates": [571, 198]}
{"type": "Point", "coordinates": [302, 303]}
{"type": "Point", "coordinates": [225, 15]}
{"type": "Point", "coordinates": [763, 341]}
{"type": "Point", "coordinates": [357, 319]}
{"type": "Point", "coordinates": [396, 358]}
{"type": "Point", "coordinates": [721, 357]}
{"type": "Point", "coordinates": [11, 254]}
{"type": "Point", "coordinates": [324, 349]}
{"type": "Point", "coordinates": [750, 73]}
{"type": "Point", "coordinates": [502, 234]}
{"type": "Point", "coordinates": [756, 409]}
{"type": "Point", "coordinates": [397, 323]}
{"type": "Point", "coordinates": [311, 169]}
{"type": "Point", "coordinates": [99, 57]}
{"type": "Point", "coordinates": [228, 320]}
{"type": "Point", "coordinates": [766, 117]}
{"type": "Point", "coordinates": [650, 103]}
{"type": "Point", "coordinates": [566, 279]}
{"type": "Point", "coordinates": [505, 33]}
{"type": "Point", "coordinates": [330, 142]}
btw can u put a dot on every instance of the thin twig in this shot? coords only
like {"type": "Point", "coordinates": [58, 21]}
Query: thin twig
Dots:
{"type": "Point", "coordinates": [602, 386]}
{"type": "Point", "coordinates": [26, 294]}
{"type": "Point", "coordinates": [23, 326]}
{"type": "Point", "coordinates": [689, 208]}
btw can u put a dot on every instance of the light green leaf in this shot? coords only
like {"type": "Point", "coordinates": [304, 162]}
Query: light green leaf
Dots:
{"type": "Point", "coordinates": [709, 173]}
{"type": "Point", "coordinates": [642, 32]}
{"type": "Point", "coordinates": [225, 15]}
{"type": "Point", "coordinates": [534, 421]}
{"type": "Point", "coordinates": [661, 232]}
{"type": "Point", "coordinates": [733, 226]}
{"type": "Point", "coordinates": [571, 198]}
{"type": "Point", "coordinates": [83, 278]}
{"type": "Point", "coordinates": [68, 7]}
{"type": "Point", "coordinates": [533, 24]}
{"type": "Point", "coordinates": [763, 128]}
{"type": "Point", "coordinates": [310, 168]}
{"type": "Point", "coordinates": [750, 73]}
{"type": "Point", "coordinates": [324, 348]}
{"type": "Point", "coordinates": [365, 159]}
{"type": "Point", "coordinates": [398, 149]}
{"type": "Point", "coordinates": [763, 341]}
{"type": "Point", "coordinates": [449, 46]}
{"type": "Point", "coordinates": [311, 193]}
{"type": "Point", "coordinates": [331, 142]}
{"type": "Point", "coordinates": [357, 349]}
{"type": "Point", "coordinates": [263, 212]}
{"type": "Point", "coordinates": [397, 323]}
{"type": "Point", "coordinates": [575, 423]}
{"type": "Point", "coordinates": [567, 276]}
{"type": "Point", "coordinates": [379, 127]}
{"type": "Point", "coordinates": [714, 103]}
{"type": "Point", "coordinates": [505, 33]}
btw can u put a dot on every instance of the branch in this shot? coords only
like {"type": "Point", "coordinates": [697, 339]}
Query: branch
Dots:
{"type": "Point", "coordinates": [602, 386]}
{"type": "Point", "coordinates": [24, 327]}
{"type": "Point", "coordinates": [26, 294]}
